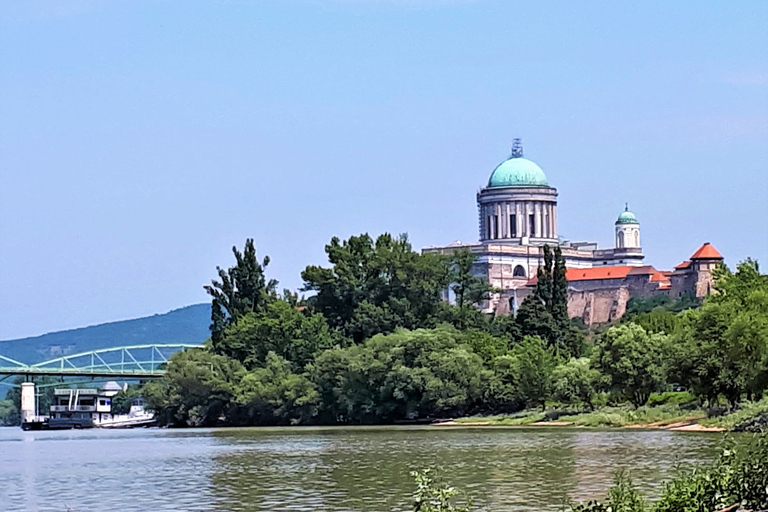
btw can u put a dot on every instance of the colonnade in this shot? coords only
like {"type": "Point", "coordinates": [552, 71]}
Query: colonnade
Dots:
{"type": "Point", "coordinates": [517, 219]}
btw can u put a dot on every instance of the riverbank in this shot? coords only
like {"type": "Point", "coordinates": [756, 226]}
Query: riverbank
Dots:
{"type": "Point", "coordinates": [663, 417]}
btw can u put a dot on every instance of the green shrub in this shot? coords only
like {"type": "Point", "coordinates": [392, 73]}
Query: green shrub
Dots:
{"type": "Point", "coordinates": [623, 497]}
{"type": "Point", "coordinates": [671, 397]}
{"type": "Point", "coordinates": [738, 477]}
{"type": "Point", "coordinates": [747, 412]}
{"type": "Point", "coordinates": [432, 495]}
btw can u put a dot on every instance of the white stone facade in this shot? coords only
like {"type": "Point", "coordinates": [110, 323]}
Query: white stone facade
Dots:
{"type": "Point", "coordinates": [516, 221]}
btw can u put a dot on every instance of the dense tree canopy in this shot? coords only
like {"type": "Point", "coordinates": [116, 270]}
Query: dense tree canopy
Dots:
{"type": "Point", "coordinates": [633, 361]}
{"type": "Point", "coordinates": [400, 376]}
{"type": "Point", "coordinates": [291, 332]}
{"type": "Point", "coordinates": [722, 348]}
{"type": "Point", "coordinates": [275, 394]}
{"type": "Point", "coordinates": [532, 366]}
{"type": "Point", "coordinates": [576, 381]}
{"type": "Point", "coordinates": [377, 286]}
{"type": "Point", "coordinates": [378, 343]}
{"type": "Point", "coordinates": [197, 390]}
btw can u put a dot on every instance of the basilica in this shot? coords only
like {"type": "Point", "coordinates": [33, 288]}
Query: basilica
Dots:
{"type": "Point", "coordinates": [518, 216]}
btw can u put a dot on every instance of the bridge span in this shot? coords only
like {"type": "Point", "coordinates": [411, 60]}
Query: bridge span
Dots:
{"type": "Point", "coordinates": [132, 362]}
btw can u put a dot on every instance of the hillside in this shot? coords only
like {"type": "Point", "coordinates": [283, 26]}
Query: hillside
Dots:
{"type": "Point", "coordinates": [185, 325]}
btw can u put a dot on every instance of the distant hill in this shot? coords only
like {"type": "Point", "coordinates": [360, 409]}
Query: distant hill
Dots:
{"type": "Point", "coordinates": [184, 325]}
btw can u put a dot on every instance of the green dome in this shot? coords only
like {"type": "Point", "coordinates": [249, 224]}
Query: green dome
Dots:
{"type": "Point", "coordinates": [627, 217]}
{"type": "Point", "coordinates": [518, 172]}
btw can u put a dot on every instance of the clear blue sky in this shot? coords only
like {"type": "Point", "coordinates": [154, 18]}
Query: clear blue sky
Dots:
{"type": "Point", "coordinates": [140, 140]}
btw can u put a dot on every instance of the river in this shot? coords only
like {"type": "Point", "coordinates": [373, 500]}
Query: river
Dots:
{"type": "Point", "coordinates": [328, 469]}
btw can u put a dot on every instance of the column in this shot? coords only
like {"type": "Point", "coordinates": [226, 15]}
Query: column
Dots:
{"type": "Point", "coordinates": [550, 231]}
{"type": "Point", "coordinates": [27, 401]}
{"type": "Point", "coordinates": [503, 220]}
{"type": "Point", "coordinates": [524, 218]}
{"type": "Point", "coordinates": [554, 219]}
{"type": "Point", "coordinates": [507, 211]}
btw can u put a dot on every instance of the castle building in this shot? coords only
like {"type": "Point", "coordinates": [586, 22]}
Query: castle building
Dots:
{"type": "Point", "coordinates": [517, 213]}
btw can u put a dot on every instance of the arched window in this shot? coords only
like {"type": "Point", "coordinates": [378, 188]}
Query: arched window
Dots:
{"type": "Point", "coordinates": [637, 239]}
{"type": "Point", "coordinates": [519, 271]}
{"type": "Point", "coordinates": [620, 239]}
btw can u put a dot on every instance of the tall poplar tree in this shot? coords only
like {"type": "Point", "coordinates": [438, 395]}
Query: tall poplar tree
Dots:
{"type": "Point", "coordinates": [545, 312]}
{"type": "Point", "coordinates": [239, 290]}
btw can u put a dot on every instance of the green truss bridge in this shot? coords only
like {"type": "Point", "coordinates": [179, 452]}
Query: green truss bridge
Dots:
{"type": "Point", "coordinates": [134, 362]}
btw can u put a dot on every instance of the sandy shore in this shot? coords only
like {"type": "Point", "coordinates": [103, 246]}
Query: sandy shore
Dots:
{"type": "Point", "coordinates": [682, 426]}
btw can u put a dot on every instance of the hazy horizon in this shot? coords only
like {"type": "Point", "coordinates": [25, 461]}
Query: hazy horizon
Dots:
{"type": "Point", "coordinates": [140, 141]}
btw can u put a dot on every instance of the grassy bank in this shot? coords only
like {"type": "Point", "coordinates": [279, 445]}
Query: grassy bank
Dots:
{"type": "Point", "coordinates": [748, 412]}
{"type": "Point", "coordinates": [658, 416]}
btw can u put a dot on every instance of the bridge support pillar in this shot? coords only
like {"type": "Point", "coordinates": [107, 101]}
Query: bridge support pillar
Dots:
{"type": "Point", "coordinates": [27, 401]}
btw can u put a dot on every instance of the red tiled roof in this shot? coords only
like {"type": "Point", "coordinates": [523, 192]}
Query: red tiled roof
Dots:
{"type": "Point", "coordinates": [589, 274]}
{"type": "Point", "coordinates": [659, 277]}
{"type": "Point", "coordinates": [594, 273]}
{"type": "Point", "coordinates": [644, 270]}
{"type": "Point", "coordinates": [683, 265]}
{"type": "Point", "coordinates": [707, 252]}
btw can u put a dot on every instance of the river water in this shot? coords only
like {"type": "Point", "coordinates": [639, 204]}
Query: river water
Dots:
{"type": "Point", "coordinates": [328, 469]}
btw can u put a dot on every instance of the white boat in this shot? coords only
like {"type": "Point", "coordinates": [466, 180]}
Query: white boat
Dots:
{"type": "Point", "coordinates": [136, 417]}
{"type": "Point", "coordinates": [88, 408]}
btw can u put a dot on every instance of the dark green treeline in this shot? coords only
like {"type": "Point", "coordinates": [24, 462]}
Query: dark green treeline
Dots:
{"type": "Point", "coordinates": [376, 343]}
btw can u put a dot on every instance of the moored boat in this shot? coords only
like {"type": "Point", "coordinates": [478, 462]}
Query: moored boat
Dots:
{"type": "Point", "coordinates": [136, 417]}
{"type": "Point", "coordinates": [89, 408]}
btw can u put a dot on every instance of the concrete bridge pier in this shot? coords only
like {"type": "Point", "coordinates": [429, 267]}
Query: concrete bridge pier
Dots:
{"type": "Point", "coordinates": [27, 401]}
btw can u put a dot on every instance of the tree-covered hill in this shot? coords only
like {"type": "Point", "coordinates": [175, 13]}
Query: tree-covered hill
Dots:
{"type": "Point", "coordinates": [185, 325]}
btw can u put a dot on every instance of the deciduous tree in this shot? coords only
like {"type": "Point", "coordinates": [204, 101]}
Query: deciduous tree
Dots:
{"type": "Point", "coordinates": [280, 328]}
{"type": "Point", "coordinates": [633, 361]}
{"type": "Point", "coordinates": [377, 286]}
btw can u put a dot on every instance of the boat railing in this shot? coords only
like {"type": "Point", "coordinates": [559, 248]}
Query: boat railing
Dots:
{"type": "Point", "coordinates": [77, 408]}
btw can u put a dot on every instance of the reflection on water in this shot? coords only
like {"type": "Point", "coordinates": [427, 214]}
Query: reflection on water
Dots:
{"type": "Point", "coordinates": [331, 469]}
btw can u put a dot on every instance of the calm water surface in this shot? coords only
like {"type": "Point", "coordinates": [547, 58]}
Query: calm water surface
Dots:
{"type": "Point", "coordinates": [331, 469]}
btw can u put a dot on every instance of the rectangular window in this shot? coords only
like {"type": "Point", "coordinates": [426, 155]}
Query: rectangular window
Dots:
{"type": "Point", "coordinates": [531, 225]}
{"type": "Point", "coordinates": [496, 225]}
{"type": "Point", "coordinates": [489, 228]}
{"type": "Point", "coordinates": [513, 226]}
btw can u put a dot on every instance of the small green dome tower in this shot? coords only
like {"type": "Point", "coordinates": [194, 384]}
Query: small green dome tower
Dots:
{"type": "Point", "coordinates": [627, 217]}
